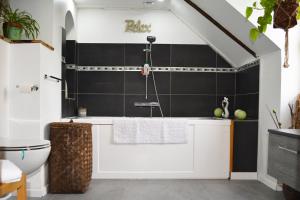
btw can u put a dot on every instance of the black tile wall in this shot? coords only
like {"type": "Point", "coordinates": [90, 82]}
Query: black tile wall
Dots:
{"type": "Point", "coordinates": [192, 105]}
{"type": "Point", "coordinates": [135, 83]}
{"type": "Point", "coordinates": [71, 79]}
{"type": "Point", "coordinates": [101, 82]}
{"type": "Point", "coordinates": [100, 54]}
{"type": "Point", "coordinates": [248, 81]}
{"type": "Point", "coordinates": [247, 91]}
{"type": "Point", "coordinates": [193, 56]}
{"type": "Point", "coordinates": [245, 146]}
{"type": "Point", "coordinates": [182, 94]}
{"type": "Point", "coordinates": [102, 104]}
{"type": "Point", "coordinates": [246, 132]}
{"type": "Point", "coordinates": [71, 51]}
{"type": "Point", "coordinates": [161, 55]}
{"type": "Point", "coordinates": [134, 54]}
{"type": "Point", "coordinates": [226, 83]}
{"type": "Point", "coordinates": [194, 83]}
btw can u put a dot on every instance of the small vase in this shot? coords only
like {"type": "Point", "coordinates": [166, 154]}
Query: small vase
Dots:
{"type": "Point", "coordinates": [12, 31]}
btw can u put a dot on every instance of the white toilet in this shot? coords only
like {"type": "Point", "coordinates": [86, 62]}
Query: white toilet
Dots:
{"type": "Point", "coordinates": [28, 155]}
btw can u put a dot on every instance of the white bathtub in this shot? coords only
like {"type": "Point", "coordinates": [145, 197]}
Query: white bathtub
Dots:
{"type": "Point", "coordinates": [205, 156]}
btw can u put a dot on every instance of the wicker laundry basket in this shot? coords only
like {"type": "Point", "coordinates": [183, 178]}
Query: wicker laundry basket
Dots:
{"type": "Point", "coordinates": [70, 162]}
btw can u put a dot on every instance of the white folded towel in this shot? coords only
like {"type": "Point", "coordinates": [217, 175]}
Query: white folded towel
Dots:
{"type": "Point", "coordinates": [125, 130]}
{"type": "Point", "coordinates": [149, 131]}
{"type": "Point", "coordinates": [9, 172]}
{"type": "Point", "coordinates": [175, 131]}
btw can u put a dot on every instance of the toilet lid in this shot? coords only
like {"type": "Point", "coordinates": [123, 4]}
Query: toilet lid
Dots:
{"type": "Point", "coordinates": [23, 144]}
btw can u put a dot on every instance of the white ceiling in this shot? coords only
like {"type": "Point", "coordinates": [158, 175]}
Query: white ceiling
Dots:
{"type": "Point", "coordinates": [123, 4]}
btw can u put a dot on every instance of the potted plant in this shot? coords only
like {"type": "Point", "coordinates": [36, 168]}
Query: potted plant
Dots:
{"type": "Point", "coordinates": [283, 13]}
{"type": "Point", "coordinates": [15, 22]}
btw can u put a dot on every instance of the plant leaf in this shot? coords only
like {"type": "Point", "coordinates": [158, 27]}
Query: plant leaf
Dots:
{"type": "Point", "coordinates": [298, 13]}
{"type": "Point", "coordinates": [249, 11]}
{"type": "Point", "coordinates": [254, 33]}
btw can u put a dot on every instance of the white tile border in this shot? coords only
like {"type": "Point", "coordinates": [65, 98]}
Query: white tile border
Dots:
{"type": "Point", "coordinates": [154, 68]}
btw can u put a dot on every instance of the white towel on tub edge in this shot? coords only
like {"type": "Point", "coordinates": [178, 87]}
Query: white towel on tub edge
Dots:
{"type": "Point", "coordinates": [149, 131]}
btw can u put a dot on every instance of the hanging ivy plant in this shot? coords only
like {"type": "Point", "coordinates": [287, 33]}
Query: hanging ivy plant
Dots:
{"type": "Point", "coordinates": [283, 13]}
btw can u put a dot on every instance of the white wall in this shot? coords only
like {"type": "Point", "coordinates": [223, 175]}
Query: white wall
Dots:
{"type": "Point", "coordinates": [42, 12]}
{"type": "Point", "coordinates": [4, 66]}
{"type": "Point", "coordinates": [108, 26]}
{"type": "Point", "coordinates": [290, 77]}
{"type": "Point", "coordinates": [269, 95]}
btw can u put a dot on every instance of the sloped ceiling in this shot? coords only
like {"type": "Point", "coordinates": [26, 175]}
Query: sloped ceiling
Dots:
{"type": "Point", "coordinates": [232, 20]}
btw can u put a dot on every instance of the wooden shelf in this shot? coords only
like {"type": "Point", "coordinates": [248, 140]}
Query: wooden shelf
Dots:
{"type": "Point", "coordinates": [27, 41]}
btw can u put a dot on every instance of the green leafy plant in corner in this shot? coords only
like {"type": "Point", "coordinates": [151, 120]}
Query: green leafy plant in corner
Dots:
{"type": "Point", "coordinates": [266, 19]}
{"type": "Point", "coordinates": [20, 19]}
{"type": "Point", "coordinates": [282, 13]}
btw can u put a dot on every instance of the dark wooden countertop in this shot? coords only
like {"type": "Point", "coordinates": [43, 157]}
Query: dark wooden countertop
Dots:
{"type": "Point", "coordinates": [294, 133]}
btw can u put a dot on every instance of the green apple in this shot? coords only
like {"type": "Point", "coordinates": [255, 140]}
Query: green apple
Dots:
{"type": "Point", "coordinates": [218, 112]}
{"type": "Point", "coordinates": [240, 114]}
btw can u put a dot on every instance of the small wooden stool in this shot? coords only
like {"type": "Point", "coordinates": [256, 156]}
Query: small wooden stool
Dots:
{"type": "Point", "coordinates": [19, 186]}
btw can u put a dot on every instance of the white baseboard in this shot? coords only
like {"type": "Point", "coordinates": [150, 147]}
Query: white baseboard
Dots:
{"type": "Point", "coordinates": [270, 182]}
{"type": "Point", "coordinates": [243, 175]}
{"type": "Point", "coordinates": [40, 192]}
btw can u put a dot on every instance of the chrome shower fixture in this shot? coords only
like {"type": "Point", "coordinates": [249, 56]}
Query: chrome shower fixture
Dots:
{"type": "Point", "coordinates": [151, 39]}
{"type": "Point", "coordinates": [146, 71]}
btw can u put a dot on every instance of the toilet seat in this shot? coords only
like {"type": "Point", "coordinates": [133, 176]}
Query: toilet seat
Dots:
{"type": "Point", "coordinates": [23, 145]}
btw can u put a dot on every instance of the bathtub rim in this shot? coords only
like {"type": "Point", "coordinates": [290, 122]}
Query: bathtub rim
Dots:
{"type": "Point", "coordinates": [109, 120]}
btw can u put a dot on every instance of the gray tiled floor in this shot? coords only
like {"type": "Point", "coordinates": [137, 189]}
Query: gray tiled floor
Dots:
{"type": "Point", "coordinates": [172, 190]}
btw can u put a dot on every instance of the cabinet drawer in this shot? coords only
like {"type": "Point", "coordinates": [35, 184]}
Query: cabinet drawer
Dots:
{"type": "Point", "coordinates": [284, 159]}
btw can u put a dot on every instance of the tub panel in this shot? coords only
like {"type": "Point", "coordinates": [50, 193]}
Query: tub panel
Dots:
{"type": "Point", "coordinates": [205, 156]}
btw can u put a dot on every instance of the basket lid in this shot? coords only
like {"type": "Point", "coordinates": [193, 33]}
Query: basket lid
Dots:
{"type": "Point", "coordinates": [69, 124]}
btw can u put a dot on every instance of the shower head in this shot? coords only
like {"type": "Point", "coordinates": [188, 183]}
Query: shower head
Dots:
{"type": "Point", "coordinates": [151, 39]}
